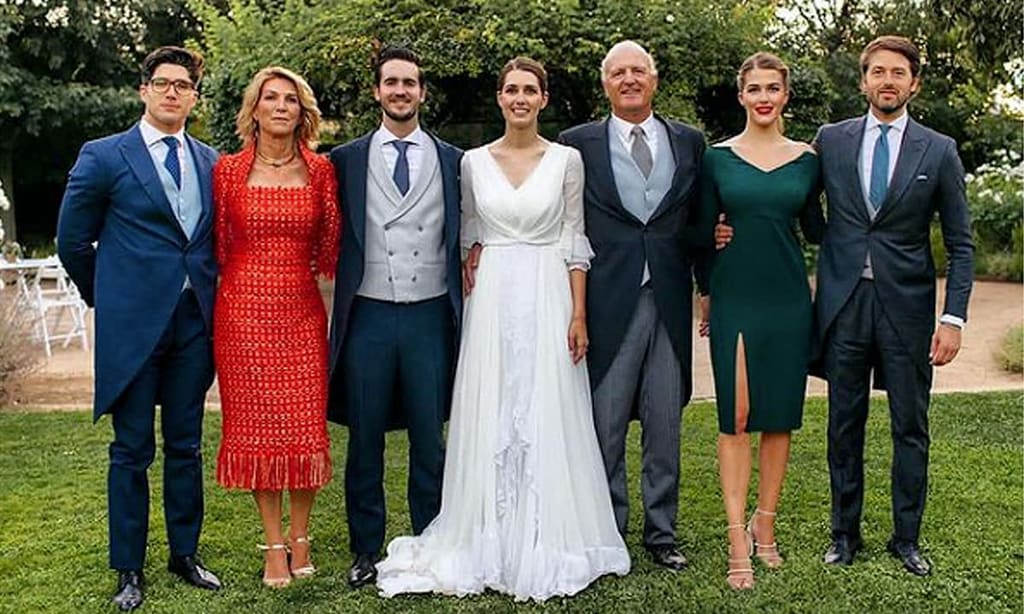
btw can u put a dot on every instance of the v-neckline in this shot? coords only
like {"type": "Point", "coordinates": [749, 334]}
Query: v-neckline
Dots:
{"type": "Point", "coordinates": [758, 168]}
{"type": "Point", "coordinates": [527, 178]}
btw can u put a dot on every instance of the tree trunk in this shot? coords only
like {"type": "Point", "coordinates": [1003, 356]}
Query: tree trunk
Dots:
{"type": "Point", "coordinates": [7, 218]}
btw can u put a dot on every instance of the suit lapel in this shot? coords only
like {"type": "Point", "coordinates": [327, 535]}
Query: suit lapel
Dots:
{"type": "Point", "coordinates": [912, 153]}
{"type": "Point", "coordinates": [355, 181]}
{"type": "Point", "coordinates": [848, 160]}
{"type": "Point", "coordinates": [677, 175]}
{"type": "Point", "coordinates": [449, 162]}
{"type": "Point", "coordinates": [136, 154]}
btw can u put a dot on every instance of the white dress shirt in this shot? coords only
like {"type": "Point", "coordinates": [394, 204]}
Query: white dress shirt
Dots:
{"type": "Point", "coordinates": [872, 131]}
{"type": "Point", "coordinates": [413, 154]}
{"type": "Point", "coordinates": [152, 137]}
{"type": "Point", "coordinates": [624, 130]}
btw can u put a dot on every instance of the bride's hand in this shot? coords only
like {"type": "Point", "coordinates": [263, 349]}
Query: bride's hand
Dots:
{"type": "Point", "coordinates": [469, 266]}
{"type": "Point", "coordinates": [578, 341]}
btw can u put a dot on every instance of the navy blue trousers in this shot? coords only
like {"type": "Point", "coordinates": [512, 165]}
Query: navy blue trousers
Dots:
{"type": "Point", "coordinates": [395, 355]}
{"type": "Point", "coordinates": [861, 339]}
{"type": "Point", "coordinates": [176, 376]}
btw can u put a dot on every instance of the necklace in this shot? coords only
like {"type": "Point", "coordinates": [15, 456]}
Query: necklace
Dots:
{"type": "Point", "coordinates": [275, 162]}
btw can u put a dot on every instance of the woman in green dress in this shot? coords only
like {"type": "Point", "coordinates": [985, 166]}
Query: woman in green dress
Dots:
{"type": "Point", "coordinates": [760, 303]}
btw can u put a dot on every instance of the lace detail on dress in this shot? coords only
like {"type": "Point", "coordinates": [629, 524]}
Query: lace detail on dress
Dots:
{"type": "Point", "coordinates": [518, 346]}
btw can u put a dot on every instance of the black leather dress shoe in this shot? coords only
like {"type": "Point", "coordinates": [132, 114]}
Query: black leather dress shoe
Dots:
{"type": "Point", "coordinates": [668, 556]}
{"type": "Point", "coordinates": [363, 570]}
{"type": "Point", "coordinates": [910, 555]}
{"type": "Point", "coordinates": [190, 569]}
{"type": "Point", "coordinates": [129, 590]}
{"type": "Point", "coordinates": [842, 550]}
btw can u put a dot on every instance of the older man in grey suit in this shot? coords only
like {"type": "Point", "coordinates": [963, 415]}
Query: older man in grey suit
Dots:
{"type": "Point", "coordinates": [641, 192]}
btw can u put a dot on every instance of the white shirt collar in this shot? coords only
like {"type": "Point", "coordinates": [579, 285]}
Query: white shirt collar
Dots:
{"type": "Point", "coordinates": [151, 134]}
{"type": "Point", "coordinates": [416, 137]}
{"type": "Point", "coordinates": [623, 127]}
{"type": "Point", "coordinates": [898, 125]}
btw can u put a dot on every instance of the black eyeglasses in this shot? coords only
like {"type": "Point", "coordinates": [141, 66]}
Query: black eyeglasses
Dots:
{"type": "Point", "coordinates": [160, 85]}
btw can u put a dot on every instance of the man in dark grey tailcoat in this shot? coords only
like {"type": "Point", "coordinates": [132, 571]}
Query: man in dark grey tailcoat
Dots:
{"type": "Point", "coordinates": [641, 190]}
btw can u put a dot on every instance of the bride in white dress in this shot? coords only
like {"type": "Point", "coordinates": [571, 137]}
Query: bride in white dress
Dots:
{"type": "Point", "coordinates": [525, 506]}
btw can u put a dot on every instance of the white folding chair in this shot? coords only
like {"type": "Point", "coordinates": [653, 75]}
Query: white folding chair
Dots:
{"type": "Point", "coordinates": [52, 291]}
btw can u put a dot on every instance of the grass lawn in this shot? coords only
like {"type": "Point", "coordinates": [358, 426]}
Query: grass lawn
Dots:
{"type": "Point", "coordinates": [53, 531]}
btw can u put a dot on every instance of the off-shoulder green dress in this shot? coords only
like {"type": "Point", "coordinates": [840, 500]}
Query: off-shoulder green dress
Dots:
{"type": "Point", "coordinates": [758, 287]}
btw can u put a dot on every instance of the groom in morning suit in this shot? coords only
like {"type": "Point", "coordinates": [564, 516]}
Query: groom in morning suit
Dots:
{"type": "Point", "coordinates": [886, 176]}
{"type": "Point", "coordinates": [397, 304]}
{"type": "Point", "coordinates": [642, 189]}
{"type": "Point", "coordinates": [135, 236]}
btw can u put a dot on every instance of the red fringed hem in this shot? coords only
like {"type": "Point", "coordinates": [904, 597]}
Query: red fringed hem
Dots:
{"type": "Point", "coordinates": [285, 472]}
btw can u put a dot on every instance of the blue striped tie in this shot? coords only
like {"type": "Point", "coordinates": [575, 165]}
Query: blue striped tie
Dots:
{"type": "Point", "coordinates": [879, 170]}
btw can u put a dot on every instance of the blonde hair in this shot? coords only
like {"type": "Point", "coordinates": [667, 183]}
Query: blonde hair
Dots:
{"type": "Point", "coordinates": [765, 61]}
{"type": "Point", "coordinates": [308, 130]}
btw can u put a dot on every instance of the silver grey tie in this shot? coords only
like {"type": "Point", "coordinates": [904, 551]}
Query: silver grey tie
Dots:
{"type": "Point", "coordinates": [641, 152]}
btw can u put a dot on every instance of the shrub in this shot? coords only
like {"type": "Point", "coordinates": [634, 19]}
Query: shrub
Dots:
{"type": "Point", "coordinates": [17, 355]}
{"type": "Point", "coordinates": [1010, 353]}
{"type": "Point", "coordinates": [995, 193]}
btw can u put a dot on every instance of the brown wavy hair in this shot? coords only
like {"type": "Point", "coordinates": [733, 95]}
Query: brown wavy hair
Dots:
{"type": "Point", "coordinates": [525, 64]}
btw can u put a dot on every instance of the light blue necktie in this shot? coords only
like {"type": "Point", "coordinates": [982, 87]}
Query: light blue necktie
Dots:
{"type": "Point", "coordinates": [171, 162]}
{"type": "Point", "coordinates": [879, 170]}
{"type": "Point", "coordinates": [401, 174]}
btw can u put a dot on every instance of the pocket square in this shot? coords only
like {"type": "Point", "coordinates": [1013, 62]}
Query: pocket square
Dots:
{"type": "Point", "coordinates": [922, 178]}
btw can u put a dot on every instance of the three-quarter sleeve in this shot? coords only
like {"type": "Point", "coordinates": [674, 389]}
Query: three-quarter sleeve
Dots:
{"type": "Point", "coordinates": [221, 226]}
{"type": "Point", "coordinates": [329, 231]}
{"type": "Point", "coordinates": [573, 240]}
{"type": "Point", "coordinates": [469, 231]}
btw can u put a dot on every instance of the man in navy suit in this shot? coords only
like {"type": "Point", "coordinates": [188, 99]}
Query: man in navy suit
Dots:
{"type": "Point", "coordinates": [135, 236]}
{"type": "Point", "coordinates": [397, 304]}
{"type": "Point", "coordinates": [886, 177]}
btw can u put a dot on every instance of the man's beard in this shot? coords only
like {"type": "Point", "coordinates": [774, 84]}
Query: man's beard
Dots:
{"type": "Point", "coordinates": [400, 117]}
{"type": "Point", "coordinates": [892, 107]}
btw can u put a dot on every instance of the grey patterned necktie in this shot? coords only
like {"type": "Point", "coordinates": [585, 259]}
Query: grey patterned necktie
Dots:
{"type": "Point", "coordinates": [641, 152]}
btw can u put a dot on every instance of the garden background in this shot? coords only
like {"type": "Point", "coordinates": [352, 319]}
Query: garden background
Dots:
{"type": "Point", "coordinates": [69, 73]}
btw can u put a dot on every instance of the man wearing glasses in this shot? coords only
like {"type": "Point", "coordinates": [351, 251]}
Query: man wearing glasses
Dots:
{"type": "Point", "coordinates": [135, 236]}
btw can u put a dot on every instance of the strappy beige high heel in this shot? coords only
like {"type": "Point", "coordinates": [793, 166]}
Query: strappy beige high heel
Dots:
{"type": "Point", "coordinates": [766, 553]}
{"type": "Point", "coordinates": [309, 569]}
{"type": "Point", "coordinates": [740, 575]}
{"type": "Point", "coordinates": [270, 582]}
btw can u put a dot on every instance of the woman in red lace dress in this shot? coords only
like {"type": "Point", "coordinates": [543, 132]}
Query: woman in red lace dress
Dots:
{"type": "Point", "coordinates": [277, 228]}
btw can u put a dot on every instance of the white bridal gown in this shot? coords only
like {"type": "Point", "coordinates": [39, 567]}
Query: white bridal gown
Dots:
{"type": "Point", "coordinates": [525, 507]}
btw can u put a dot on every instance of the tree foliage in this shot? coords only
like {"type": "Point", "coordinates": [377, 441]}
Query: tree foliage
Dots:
{"type": "Point", "coordinates": [696, 44]}
{"type": "Point", "coordinates": [967, 49]}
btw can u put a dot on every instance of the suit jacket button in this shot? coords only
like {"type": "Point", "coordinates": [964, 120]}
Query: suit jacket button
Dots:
{"type": "Point", "coordinates": [416, 252]}
{"type": "Point", "coordinates": [421, 229]}
{"type": "Point", "coordinates": [414, 278]}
